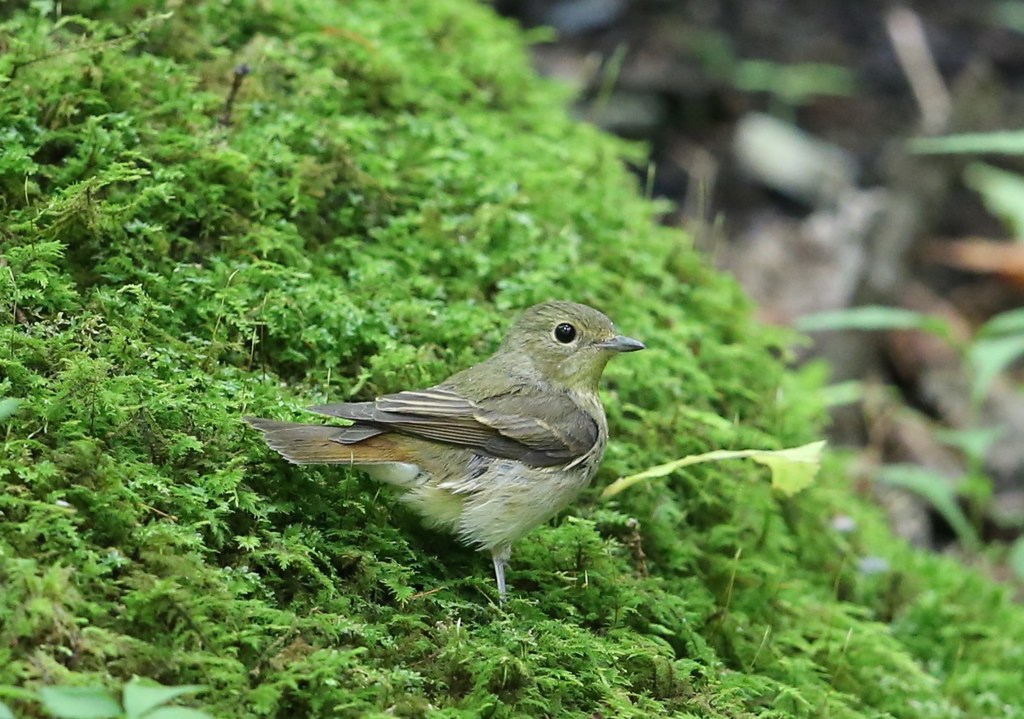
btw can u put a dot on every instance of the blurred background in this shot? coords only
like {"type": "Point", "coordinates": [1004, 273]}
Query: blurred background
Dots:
{"type": "Point", "coordinates": [858, 168]}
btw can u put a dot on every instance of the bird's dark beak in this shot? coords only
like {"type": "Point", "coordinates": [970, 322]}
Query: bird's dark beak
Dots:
{"type": "Point", "coordinates": [622, 344]}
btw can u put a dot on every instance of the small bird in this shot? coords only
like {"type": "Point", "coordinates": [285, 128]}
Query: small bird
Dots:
{"type": "Point", "coordinates": [494, 450]}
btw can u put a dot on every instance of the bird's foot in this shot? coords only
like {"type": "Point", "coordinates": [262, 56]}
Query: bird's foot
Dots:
{"type": "Point", "coordinates": [500, 555]}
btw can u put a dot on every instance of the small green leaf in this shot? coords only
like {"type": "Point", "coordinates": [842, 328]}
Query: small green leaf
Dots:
{"type": "Point", "coordinates": [936, 489]}
{"type": "Point", "coordinates": [974, 442]}
{"type": "Point", "coordinates": [1001, 191]}
{"type": "Point", "coordinates": [1010, 14]}
{"type": "Point", "coordinates": [8, 407]}
{"type": "Point", "coordinates": [792, 469]}
{"type": "Point", "coordinates": [79, 702]}
{"type": "Point", "coordinates": [795, 83]}
{"type": "Point", "coordinates": [989, 357]}
{"type": "Point", "coordinates": [1000, 143]}
{"type": "Point", "coordinates": [178, 713]}
{"type": "Point", "coordinates": [141, 698]}
{"type": "Point", "coordinates": [1005, 323]}
{"type": "Point", "coordinates": [1016, 557]}
{"type": "Point", "coordinates": [874, 318]}
{"type": "Point", "coordinates": [842, 393]}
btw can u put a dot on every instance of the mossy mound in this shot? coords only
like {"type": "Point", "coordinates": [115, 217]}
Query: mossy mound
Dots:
{"type": "Point", "coordinates": [392, 184]}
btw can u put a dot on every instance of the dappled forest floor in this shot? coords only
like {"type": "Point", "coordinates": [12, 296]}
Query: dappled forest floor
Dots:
{"type": "Point", "coordinates": [781, 134]}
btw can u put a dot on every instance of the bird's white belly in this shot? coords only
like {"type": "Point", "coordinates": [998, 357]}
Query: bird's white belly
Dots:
{"type": "Point", "coordinates": [510, 499]}
{"type": "Point", "coordinates": [400, 474]}
{"type": "Point", "coordinates": [493, 504]}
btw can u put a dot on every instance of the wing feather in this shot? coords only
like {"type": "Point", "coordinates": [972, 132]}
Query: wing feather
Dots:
{"type": "Point", "coordinates": [539, 428]}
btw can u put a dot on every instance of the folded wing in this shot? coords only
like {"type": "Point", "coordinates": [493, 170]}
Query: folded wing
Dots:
{"type": "Point", "coordinates": [539, 429]}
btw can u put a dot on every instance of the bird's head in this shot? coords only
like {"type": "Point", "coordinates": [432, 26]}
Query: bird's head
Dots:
{"type": "Point", "coordinates": [567, 343]}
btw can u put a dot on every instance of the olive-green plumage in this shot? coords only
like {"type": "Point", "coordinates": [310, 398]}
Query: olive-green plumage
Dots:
{"type": "Point", "coordinates": [495, 449]}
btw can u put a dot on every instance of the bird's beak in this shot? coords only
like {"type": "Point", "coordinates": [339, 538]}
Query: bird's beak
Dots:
{"type": "Point", "coordinates": [622, 344]}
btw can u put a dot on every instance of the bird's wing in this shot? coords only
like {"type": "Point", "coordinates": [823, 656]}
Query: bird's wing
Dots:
{"type": "Point", "coordinates": [538, 428]}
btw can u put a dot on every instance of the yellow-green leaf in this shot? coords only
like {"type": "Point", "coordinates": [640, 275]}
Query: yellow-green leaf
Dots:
{"type": "Point", "coordinates": [792, 469]}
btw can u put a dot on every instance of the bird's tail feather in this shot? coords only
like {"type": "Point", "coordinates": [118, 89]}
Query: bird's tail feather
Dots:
{"type": "Point", "coordinates": [323, 444]}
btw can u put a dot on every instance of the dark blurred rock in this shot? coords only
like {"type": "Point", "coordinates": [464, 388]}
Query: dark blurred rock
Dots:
{"type": "Point", "coordinates": [569, 17]}
{"type": "Point", "coordinates": [796, 266]}
{"type": "Point", "coordinates": [630, 114]}
{"type": "Point", "coordinates": [575, 17]}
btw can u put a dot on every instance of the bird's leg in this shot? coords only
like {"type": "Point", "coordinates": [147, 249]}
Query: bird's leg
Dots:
{"type": "Point", "coordinates": [500, 556]}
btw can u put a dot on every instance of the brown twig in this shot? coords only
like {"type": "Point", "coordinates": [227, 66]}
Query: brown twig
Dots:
{"type": "Point", "coordinates": [421, 595]}
{"type": "Point", "coordinates": [236, 84]}
{"type": "Point", "coordinates": [635, 544]}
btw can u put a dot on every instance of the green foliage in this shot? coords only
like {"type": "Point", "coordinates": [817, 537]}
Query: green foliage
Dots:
{"type": "Point", "coordinates": [1010, 14]}
{"type": "Point", "coordinates": [79, 703]}
{"type": "Point", "coordinates": [7, 407]}
{"type": "Point", "coordinates": [996, 345]}
{"type": "Point", "coordinates": [794, 84]}
{"type": "Point", "coordinates": [141, 701]}
{"type": "Point", "coordinates": [1006, 142]}
{"type": "Point", "coordinates": [392, 184]}
{"type": "Point", "coordinates": [1001, 191]}
{"type": "Point", "coordinates": [875, 317]}
{"type": "Point", "coordinates": [937, 490]}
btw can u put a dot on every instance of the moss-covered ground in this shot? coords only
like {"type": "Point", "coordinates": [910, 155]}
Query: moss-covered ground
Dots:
{"type": "Point", "coordinates": [392, 185]}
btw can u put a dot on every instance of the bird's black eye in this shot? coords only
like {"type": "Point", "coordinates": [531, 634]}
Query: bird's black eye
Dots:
{"type": "Point", "coordinates": [565, 333]}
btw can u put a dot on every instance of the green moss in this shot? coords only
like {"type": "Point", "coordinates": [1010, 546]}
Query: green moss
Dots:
{"type": "Point", "coordinates": [394, 183]}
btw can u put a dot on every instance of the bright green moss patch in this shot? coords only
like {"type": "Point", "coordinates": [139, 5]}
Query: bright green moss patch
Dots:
{"type": "Point", "coordinates": [393, 185]}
